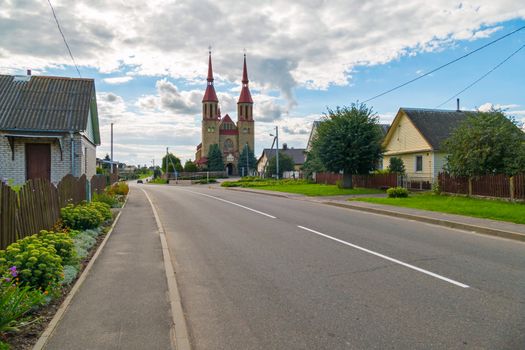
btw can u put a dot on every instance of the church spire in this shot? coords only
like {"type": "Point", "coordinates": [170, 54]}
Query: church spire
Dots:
{"type": "Point", "coordinates": [245, 96]}
{"type": "Point", "coordinates": [210, 95]}
{"type": "Point", "coordinates": [210, 69]}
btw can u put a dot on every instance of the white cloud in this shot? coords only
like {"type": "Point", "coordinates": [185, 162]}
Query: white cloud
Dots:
{"type": "Point", "coordinates": [312, 43]}
{"type": "Point", "coordinates": [118, 80]}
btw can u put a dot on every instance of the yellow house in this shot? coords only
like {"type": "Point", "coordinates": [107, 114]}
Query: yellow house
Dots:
{"type": "Point", "coordinates": [416, 136]}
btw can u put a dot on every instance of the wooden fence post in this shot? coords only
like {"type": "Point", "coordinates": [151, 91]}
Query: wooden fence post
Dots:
{"type": "Point", "coordinates": [470, 186]}
{"type": "Point", "coordinates": [511, 187]}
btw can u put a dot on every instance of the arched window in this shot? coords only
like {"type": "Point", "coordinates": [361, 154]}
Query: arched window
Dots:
{"type": "Point", "coordinates": [205, 109]}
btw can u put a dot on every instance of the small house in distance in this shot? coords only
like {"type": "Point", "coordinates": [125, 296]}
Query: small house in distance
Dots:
{"type": "Point", "coordinates": [48, 127]}
{"type": "Point", "coordinates": [297, 154]}
{"type": "Point", "coordinates": [416, 136]}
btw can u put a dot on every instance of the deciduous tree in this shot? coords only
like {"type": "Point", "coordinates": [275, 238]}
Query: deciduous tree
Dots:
{"type": "Point", "coordinates": [486, 143]}
{"type": "Point", "coordinates": [285, 164]}
{"type": "Point", "coordinates": [349, 139]}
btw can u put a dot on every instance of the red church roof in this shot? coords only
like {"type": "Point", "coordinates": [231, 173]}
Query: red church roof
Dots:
{"type": "Point", "coordinates": [210, 95]}
{"type": "Point", "coordinates": [227, 119]}
{"type": "Point", "coordinates": [245, 96]}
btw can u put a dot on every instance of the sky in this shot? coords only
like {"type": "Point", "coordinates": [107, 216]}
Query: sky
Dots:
{"type": "Point", "coordinates": [149, 61]}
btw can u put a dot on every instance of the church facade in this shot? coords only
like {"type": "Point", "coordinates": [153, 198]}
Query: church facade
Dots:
{"type": "Point", "coordinates": [230, 136]}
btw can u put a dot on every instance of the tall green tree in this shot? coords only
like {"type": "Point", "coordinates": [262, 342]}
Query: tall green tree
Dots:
{"type": "Point", "coordinates": [396, 165]}
{"type": "Point", "coordinates": [349, 139]}
{"type": "Point", "coordinates": [173, 163]}
{"type": "Point", "coordinates": [215, 162]}
{"type": "Point", "coordinates": [190, 166]}
{"type": "Point", "coordinates": [252, 161]}
{"type": "Point", "coordinates": [312, 164]}
{"type": "Point", "coordinates": [486, 143]}
{"type": "Point", "coordinates": [285, 164]}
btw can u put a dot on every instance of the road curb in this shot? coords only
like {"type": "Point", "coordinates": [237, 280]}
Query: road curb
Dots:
{"type": "Point", "coordinates": [448, 223]}
{"type": "Point", "coordinates": [44, 337]}
{"type": "Point", "coordinates": [179, 332]}
{"type": "Point", "coordinates": [264, 194]}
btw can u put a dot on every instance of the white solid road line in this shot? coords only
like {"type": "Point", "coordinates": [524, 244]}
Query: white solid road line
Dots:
{"type": "Point", "coordinates": [387, 258]}
{"type": "Point", "coordinates": [226, 201]}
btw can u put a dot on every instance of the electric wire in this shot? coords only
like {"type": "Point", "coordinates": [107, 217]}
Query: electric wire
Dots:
{"type": "Point", "coordinates": [482, 77]}
{"type": "Point", "coordinates": [64, 38]}
{"type": "Point", "coordinates": [444, 65]}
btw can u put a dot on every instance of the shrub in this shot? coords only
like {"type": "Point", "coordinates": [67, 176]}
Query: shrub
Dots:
{"type": "Point", "coordinates": [230, 184]}
{"type": "Point", "coordinates": [63, 245]}
{"type": "Point", "coordinates": [83, 241]}
{"type": "Point", "coordinates": [16, 301]}
{"type": "Point", "coordinates": [37, 262]}
{"type": "Point", "coordinates": [81, 217]}
{"type": "Point", "coordinates": [120, 188]}
{"type": "Point", "coordinates": [70, 273]}
{"type": "Point", "coordinates": [106, 198]}
{"type": "Point", "coordinates": [103, 209]}
{"type": "Point", "coordinates": [159, 181]}
{"type": "Point", "coordinates": [397, 192]}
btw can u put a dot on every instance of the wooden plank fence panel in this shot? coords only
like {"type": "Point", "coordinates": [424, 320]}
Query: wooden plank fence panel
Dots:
{"type": "Point", "coordinates": [449, 184]}
{"type": "Point", "coordinates": [375, 180]}
{"type": "Point", "coordinates": [8, 215]}
{"type": "Point", "coordinates": [328, 178]}
{"type": "Point", "coordinates": [519, 186]}
{"type": "Point", "coordinates": [491, 186]}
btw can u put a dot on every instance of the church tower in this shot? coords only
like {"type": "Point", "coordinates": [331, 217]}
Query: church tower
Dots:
{"type": "Point", "coordinates": [210, 114]}
{"type": "Point", "coordinates": [245, 123]}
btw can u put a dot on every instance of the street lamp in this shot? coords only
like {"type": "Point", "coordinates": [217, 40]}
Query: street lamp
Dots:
{"type": "Point", "coordinates": [247, 165]}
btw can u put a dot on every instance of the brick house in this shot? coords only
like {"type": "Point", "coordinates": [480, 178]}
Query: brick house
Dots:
{"type": "Point", "coordinates": [48, 127]}
{"type": "Point", "coordinates": [231, 136]}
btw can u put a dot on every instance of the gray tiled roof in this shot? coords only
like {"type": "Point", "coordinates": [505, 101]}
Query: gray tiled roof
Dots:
{"type": "Point", "coordinates": [298, 154]}
{"type": "Point", "coordinates": [435, 125]}
{"type": "Point", "coordinates": [45, 103]}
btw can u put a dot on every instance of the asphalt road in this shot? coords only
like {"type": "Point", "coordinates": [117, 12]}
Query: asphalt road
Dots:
{"type": "Point", "coordinates": [260, 272]}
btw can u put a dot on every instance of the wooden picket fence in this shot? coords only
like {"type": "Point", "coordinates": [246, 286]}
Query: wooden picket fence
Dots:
{"type": "Point", "coordinates": [37, 205]}
{"type": "Point", "coordinates": [375, 180]}
{"type": "Point", "coordinates": [365, 181]}
{"type": "Point", "coordinates": [497, 185]}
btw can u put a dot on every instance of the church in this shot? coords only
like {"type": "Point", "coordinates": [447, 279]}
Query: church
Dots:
{"type": "Point", "coordinates": [230, 136]}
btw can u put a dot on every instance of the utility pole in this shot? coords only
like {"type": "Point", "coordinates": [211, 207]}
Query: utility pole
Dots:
{"type": "Point", "coordinates": [247, 165]}
{"type": "Point", "coordinates": [111, 148]}
{"type": "Point", "coordinates": [277, 154]}
{"type": "Point", "coordinates": [167, 158]}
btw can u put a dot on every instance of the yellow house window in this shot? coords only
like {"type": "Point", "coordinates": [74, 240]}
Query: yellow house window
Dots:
{"type": "Point", "coordinates": [419, 163]}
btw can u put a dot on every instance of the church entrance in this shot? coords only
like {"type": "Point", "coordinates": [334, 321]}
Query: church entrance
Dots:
{"type": "Point", "coordinates": [229, 169]}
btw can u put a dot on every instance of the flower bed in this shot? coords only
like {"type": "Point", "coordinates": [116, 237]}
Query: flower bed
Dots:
{"type": "Point", "coordinates": [36, 273]}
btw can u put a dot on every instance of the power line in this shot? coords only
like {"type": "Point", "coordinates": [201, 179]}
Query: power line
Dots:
{"type": "Point", "coordinates": [444, 65]}
{"type": "Point", "coordinates": [63, 37]}
{"type": "Point", "coordinates": [483, 76]}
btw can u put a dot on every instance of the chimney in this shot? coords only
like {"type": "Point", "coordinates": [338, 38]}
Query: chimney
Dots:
{"type": "Point", "coordinates": [457, 107]}
{"type": "Point", "coordinates": [29, 72]}
{"type": "Point", "coordinates": [285, 146]}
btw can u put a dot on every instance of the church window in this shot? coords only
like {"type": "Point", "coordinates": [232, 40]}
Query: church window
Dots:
{"type": "Point", "coordinates": [205, 109]}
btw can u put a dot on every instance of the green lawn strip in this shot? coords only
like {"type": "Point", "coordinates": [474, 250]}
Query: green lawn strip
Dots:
{"type": "Point", "coordinates": [316, 189]}
{"type": "Point", "coordinates": [481, 208]}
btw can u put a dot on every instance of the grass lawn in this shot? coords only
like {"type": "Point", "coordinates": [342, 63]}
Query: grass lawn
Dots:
{"type": "Point", "coordinates": [481, 208]}
{"type": "Point", "coordinates": [316, 189]}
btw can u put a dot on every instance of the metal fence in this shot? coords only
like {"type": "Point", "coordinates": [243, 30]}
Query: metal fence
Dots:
{"type": "Point", "coordinates": [37, 204]}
